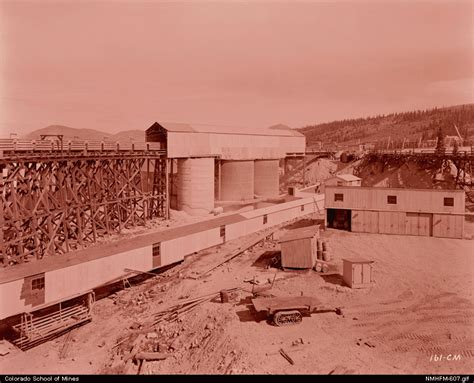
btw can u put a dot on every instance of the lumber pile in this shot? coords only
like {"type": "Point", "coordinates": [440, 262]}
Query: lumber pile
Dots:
{"type": "Point", "coordinates": [177, 311]}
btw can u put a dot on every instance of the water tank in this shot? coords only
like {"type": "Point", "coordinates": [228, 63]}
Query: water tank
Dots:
{"type": "Point", "coordinates": [237, 180]}
{"type": "Point", "coordinates": [196, 185]}
{"type": "Point", "coordinates": [267, 178]}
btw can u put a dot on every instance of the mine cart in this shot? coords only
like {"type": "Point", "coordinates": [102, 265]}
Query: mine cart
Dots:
{"type": "Point", "coordinates": [288, 310]}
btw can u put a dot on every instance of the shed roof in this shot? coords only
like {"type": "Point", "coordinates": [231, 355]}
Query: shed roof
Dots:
{"type": "Point", "coordinates": [302, 233]}
{"type": "Point", "coordinates": [348, 177]}
{"type": "Point", "coordinates": [381, 189]}
{"type": "Point", "coordinates": [277, 130]}
{"type": "Point", "coordinates": [358, 260]}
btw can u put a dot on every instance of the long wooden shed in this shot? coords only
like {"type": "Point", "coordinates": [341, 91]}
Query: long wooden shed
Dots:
{"type": "Point", "coordinates": [424, 212]}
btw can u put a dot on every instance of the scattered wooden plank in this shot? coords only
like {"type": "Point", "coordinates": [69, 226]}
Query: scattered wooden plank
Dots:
{"type": "Point", "coordinates": [151, 356]}
{"type": "Point", "coordinates": [247, 245]}
{"type": "Point", "coordinates": [286, 356]}
{"type": "Point", "coordinates": [139, 272]}
{"type": "Point", "coordinates": [128, 369]}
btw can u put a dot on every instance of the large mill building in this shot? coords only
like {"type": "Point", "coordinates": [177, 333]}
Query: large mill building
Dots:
{"type": "Point", "coordinates": [225, 164]}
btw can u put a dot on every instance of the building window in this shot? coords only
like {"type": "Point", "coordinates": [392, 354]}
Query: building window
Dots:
{"type": "Point", "coordinates": [37, 283]}
{"type": "Point", "coordinates": [222, 233]}
{"type": "Point", "coordinates": [339, 183]}
{"type": "Point", "coordinates": [338, 197]}
{"type": "Point", "coordinates": [392, 199]}
{"type": "Point", "coordinates": [448, 201]}
{"type": "Point", "coordinates": [302, 207]}
{"type": "Point", "coordinates": [265, 219]}
{"type": "Point", "coordinates": [156, 249]}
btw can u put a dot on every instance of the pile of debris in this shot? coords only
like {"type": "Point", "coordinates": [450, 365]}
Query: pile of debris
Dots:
{"type": "Point", "coordinates": [159, 338]}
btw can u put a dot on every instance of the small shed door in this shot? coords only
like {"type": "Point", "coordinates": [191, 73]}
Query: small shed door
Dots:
{"type": "Point", "coordinates": [371, 221]}
{"type": "Point", "coordinates": [357, 221]}
{"type": "Point", "coordinates": [411, 224]}
{"type": "Point", "coordinates": [357, 272]}
{"type": "Point", "coordinates": [425, 224]}
{"type": "Point", "coordinates": [366, 273]}
{"type": "Point", "coordinates": [447, 226]}
{"type": "Point", "coordinates": [419, 224]}
{"type": "Point", "coordinates": [441, 225]}
{"type": "Point", "coordinates": [389, 223]}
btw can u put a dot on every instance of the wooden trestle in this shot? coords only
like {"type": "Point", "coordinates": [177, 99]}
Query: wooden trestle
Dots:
{"type": "Point", "coordinates": [57, 201]}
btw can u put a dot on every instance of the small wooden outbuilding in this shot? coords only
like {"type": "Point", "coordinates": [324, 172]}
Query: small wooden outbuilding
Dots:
{"type": "Point", "coordinates": [357, 272]}
{"type": "Point", "coordinates": [298, 248]}
{"type": "Point", "coordinates": [343, 180]}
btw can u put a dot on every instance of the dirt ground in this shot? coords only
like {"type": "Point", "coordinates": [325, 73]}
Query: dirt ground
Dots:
{"type": "Point", "coordinates": [421, 305]}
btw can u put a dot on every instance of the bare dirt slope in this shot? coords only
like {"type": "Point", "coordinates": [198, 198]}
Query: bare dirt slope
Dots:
{"type": "Point", "coordinates": [420, 305]}
{"type": "Point", "coordinates": [317, 170]}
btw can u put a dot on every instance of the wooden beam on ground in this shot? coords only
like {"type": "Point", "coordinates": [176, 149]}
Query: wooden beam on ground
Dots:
{"type": "Point", "coordinates": [248, 244]}
{"type": "Point", "coordinates": [151, 356]}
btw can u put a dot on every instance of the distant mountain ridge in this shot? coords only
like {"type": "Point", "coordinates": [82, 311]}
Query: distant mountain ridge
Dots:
{"type": "Point", "coordinates": [415, 125]}
{"type": "Point", "coordinates": [87, 134]}
{"type": "Point", "coordinates": [97, 135]}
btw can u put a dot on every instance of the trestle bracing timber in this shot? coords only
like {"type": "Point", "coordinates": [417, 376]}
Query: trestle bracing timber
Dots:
{"type": "Point", "coordinates": [54, 204]}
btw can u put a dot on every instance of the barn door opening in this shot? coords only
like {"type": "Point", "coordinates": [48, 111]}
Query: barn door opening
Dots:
{"type": "Point", "coordinates": [339, 219]}
{"type": "Point", "coordinates": [419, 224]}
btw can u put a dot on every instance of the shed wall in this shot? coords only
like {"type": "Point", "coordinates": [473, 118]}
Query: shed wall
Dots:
{"type": "Point", "coordinates": [407, 199]}
{"type": "Point", "coordinates": [448, 226]}
{"type": "Point", "coordinates": [298, 254]}
{"type": "Point", "coordinates": [408, 223]}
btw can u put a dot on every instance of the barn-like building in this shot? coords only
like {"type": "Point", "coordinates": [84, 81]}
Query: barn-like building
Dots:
{"type": "Point", "coordinates": [424, 212]}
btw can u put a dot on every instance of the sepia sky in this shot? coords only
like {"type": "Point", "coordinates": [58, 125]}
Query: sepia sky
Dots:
{"type": "Point", "coordinates": [120, 65]}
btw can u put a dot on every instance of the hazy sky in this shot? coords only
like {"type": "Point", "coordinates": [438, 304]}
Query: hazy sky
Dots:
{"type": "Point", "coordinates": [122, 65]}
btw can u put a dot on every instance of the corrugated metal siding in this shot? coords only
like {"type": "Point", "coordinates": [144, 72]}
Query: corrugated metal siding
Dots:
{"type": "Point", "coordinates": [182, 145]}
{"type": "Point", "coordinates": [232, 146]}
